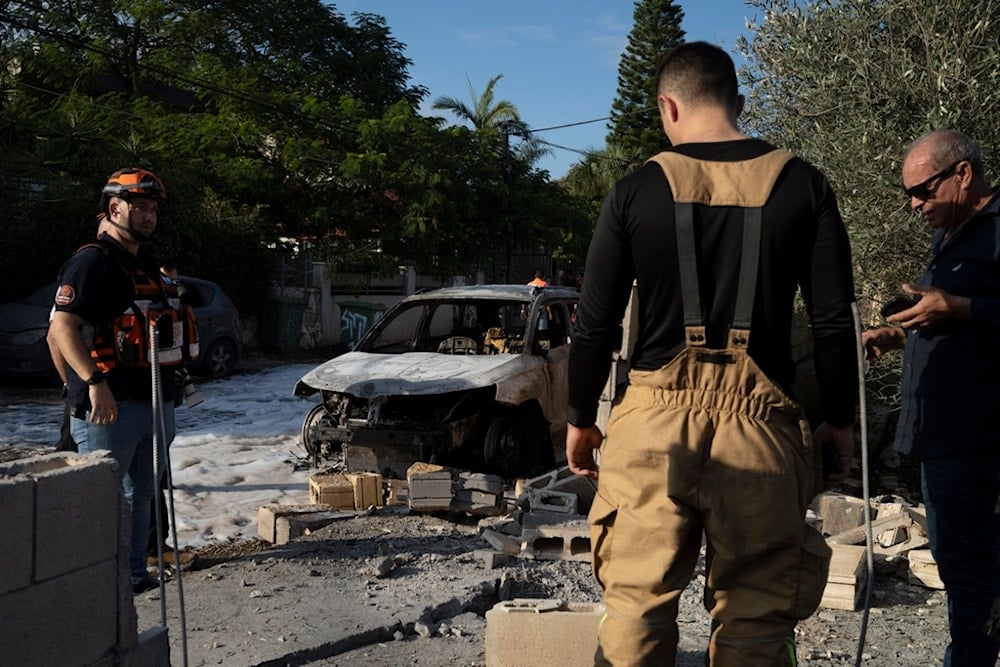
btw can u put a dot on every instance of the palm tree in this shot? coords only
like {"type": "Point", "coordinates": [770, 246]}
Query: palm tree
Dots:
{"type": "Point", "coordinates": [484, 114]}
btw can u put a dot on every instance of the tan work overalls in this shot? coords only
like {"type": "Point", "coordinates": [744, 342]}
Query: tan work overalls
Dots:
{"type": "Point", "coordinates": [708, 444]}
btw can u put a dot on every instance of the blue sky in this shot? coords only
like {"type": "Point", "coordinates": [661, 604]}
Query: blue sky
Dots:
{"type": "Point", "coordinates": [559, 58]}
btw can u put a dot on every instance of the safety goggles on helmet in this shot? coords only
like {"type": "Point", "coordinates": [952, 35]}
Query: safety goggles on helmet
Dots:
{"type": "Point", "coordinates": [133, 181]}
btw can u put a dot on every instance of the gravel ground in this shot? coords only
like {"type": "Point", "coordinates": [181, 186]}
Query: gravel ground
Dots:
{"type": "Point", "coordinates": [399, 588]}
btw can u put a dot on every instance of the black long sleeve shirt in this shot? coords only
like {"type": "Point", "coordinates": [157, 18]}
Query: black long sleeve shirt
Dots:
{"type": "Point", "coordinates": [803, 245]}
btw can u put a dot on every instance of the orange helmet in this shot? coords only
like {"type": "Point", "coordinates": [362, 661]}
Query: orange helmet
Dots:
{"type": "Point", "coordinates": [135, 182]}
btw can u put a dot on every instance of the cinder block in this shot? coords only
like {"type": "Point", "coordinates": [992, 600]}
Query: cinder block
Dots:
{"type": "Point", "coordinates": [491, 559]}
{"type": "Point", "coordinates": [397, 491]}
{"type": "Point", "coordinates": [430, 488]}
{"type": "Point", "coordinates": [501, 542]}
{"type": "Point", "coordinates": [552, 501]}
{"type": "Point", "coordinates": [478, 502]}
{"type": "Point", "coordinates": [847, 578]}
{"type": "Point", "coordinates": [569, 540]}
{"type": "Point", "coordinates": [334, 490]}
{"type": "Point", "coordinates": [476, 481]}
{"type": "Point", "coordinates": [367, 489]}
{"type": "Point", "coordinates": [839, 512]}
{"type": "Point", "coordinates": [923, 569]}
{"type": "Point", "coordinates": [17, 514]}
{"type": "Point", "coordinates": [421, 470]}
{"type": "Point", "coordinates": [79, 501]}
{"type": "Point", "coordinates": [564, 480]}
{"type": "Point", "coordinates": [429, 504]}
{"type": "Point", "coordinates": [83, 604]}
{"type": "Point", "coordinates": [268, 515]}
{"type": "Point", "coordinates": [542, 632]}
{"type": "Point", "coordinates": [289, 526]}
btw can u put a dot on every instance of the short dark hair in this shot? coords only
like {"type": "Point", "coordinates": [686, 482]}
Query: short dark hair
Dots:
{"type": "Point", "coordinates": [699, 73]}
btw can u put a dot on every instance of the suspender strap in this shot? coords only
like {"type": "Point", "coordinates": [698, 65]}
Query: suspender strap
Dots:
{"type": "Point", "coordinates": [694, 326]}
{"type": "Point", "coordinates": [749, 261]}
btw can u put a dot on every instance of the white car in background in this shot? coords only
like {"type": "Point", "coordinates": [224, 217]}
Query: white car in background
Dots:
{"type": "Point", "coordinates": [473, 377]}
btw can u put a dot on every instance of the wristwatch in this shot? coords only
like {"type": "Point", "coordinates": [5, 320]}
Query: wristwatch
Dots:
{"type": "Point", "coordinates": [96, 378]}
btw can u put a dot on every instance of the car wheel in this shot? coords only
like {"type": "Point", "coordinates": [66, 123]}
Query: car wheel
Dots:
{"type": "Point", "coordinates": [219, 359]}
{"type": "Point", "coordinates": [518, 445]}
{"type": "Point", "coordinates": [317, 447]}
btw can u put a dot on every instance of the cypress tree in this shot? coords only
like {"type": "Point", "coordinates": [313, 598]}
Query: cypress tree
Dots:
{"type": "Point", "coordinates": [635, 123]}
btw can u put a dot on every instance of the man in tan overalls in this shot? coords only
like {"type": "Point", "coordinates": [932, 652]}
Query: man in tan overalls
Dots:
{"type": "Point", "coordinates": [706, 442]}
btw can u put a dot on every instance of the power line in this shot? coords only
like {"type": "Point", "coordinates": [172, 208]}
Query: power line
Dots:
{"type": "Point", "coordinates": [588, 122]}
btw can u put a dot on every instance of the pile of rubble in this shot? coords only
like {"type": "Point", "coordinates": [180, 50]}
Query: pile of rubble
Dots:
{"type": "Point", "coordinates": [545, 518]}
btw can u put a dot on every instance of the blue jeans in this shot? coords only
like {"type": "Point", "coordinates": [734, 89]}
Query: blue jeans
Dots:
{"type": "Point", "coordinates": [961, 497]}
{"type": "Point", "coordinates": [130, 441]}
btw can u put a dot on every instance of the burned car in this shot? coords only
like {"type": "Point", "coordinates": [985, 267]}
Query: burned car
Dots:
{"type": "Point", "coordinates": [473, 377]}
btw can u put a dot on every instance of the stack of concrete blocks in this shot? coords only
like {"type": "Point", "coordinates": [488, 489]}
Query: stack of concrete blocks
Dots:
{"type": "Point", "coordinates": [430, 487]}
{"type": "Point", "coordinates": [542, 632]}
{"type": "Point", "coordinates": [479, 493]}
{"type": "Point", "coordinates": [279, 523]}
{"type": "Point", "coordinates": [65, 589]}
{"type": "Point", "coordinates": [555, 527]}
{"type": "Point", "coordinates": [897, 529]}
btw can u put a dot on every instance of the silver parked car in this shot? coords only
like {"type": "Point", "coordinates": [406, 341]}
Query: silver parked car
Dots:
{"type": "Point", "coordinates": [468, 376]}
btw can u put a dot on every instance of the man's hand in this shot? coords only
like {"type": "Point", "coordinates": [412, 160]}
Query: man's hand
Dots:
{"type": "Point", "coordinates": [879, 341]}
{"type": "Point", "coordinates": [104, 408]}
{"type": "Point", "coordinates": [841, 438]}
{"type": "Point", "coordinates": [580, 446]}
{"type": "Point", "coordinates": [935, 306]}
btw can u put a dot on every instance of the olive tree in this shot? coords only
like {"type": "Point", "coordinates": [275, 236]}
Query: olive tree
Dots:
{"type": "Point", "coordinates": [849, 84]}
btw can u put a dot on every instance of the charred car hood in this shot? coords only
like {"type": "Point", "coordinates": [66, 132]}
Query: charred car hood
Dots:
{"type": "Point", "coordinates": [367, 375]}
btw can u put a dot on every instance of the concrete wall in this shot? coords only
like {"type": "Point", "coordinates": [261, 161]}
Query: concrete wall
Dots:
{"type": "Point", "coordinates": [65, 590]}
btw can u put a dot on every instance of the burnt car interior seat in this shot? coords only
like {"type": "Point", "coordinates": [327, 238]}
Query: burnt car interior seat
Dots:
{"type": "Point", "coordinates": [458, 345]}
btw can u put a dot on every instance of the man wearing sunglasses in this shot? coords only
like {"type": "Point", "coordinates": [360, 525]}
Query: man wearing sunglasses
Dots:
{"type": "Point", "coordinates": [949, 387]}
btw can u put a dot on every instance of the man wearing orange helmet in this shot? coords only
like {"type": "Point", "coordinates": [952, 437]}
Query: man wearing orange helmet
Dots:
{"type": "Point", "coordinates": [110, 307]}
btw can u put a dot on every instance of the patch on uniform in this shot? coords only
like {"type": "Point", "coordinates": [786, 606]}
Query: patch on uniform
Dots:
{"type": "Point", "coordinates": [65, 295]}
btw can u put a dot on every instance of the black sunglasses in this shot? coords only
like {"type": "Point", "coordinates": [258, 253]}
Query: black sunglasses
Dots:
{"type": "Point", "coordinates": [922, 190]}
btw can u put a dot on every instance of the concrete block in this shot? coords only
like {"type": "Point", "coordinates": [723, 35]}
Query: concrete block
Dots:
{"type": "Point", "coordinates": [839, 512]}
{"type": "Point", "coordinates": [847, 578]}
{"type": "Point", "coordinates": [501, 542]}
{"type": "Point", "coordinates": [334, 490]}
{"type": "Point", "coordinates": [367, 489]}
{"type": "Point", "coordinates": [895, 535]}
{"type": "Point", "coordinates": [923, 569]}
{"type": "Point", "coordinates": [478, 502]}
{"type": "Point", "coordinates": [429, 504]}
{"type": "Point", "coordinates": [289, 526]}
{"type": "Point", "coordinates": [569, 540]}
{"type": "Point", "coordinates": [430, 488]}
{"type": "Point", "coordinates": [507, 524]}
{"type": "Point", "coordinates": [397, 491]}
{"type": "Point", "coordinates": [544, 519]}
{"type": "Point", "coordinates": [83, 603]}
{"type": "Point", "coordinates": [421, 470]}
{"type": "Point", "coordinates": [491, 559]}
{"type": "Point", "coordinates": [542, 632]}
{"type": "Point", "coordinates": [268, 515]}
{"type": "Point", "coordinates": [17, 515]}
{"type": "Point", "coordinates": [79, 501]}
{"type": "Point", "coordinates": [475, 481]}
{"type": "Point", "coordinates": [552, 501]}
{"type": "Point", "coordinates": [564, 480]}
